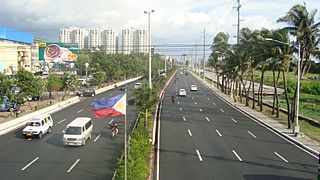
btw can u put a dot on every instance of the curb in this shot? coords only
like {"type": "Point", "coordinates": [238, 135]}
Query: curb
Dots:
{"type": "Point", "coordinates": [276, 131]}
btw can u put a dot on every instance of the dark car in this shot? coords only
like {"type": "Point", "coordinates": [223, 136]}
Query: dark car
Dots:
{"type": "Point", "coordinates": [86, 93]}
{"type": "Point", "coordinates": [123, 87]}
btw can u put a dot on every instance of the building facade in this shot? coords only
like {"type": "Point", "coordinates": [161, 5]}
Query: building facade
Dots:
{"type": "Point", "coordinates": [74, 35]}
{"type": "Point", "coordinates": [127, 41]}
{"type": "Point", "coordinates": [15, 50]}
{"type": "Point", "coordinates": [109, 41]}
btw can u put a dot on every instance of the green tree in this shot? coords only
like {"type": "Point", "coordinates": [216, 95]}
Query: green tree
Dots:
{"type": "Point", "coordinates": [29, 85]}
{"type": "Point", "coordinates": [54, 83]}
{"type": "Point", "coordinates": [98, 78]}
{"type": "Point", "coordinates": [144, 99]}
{"type": "Point", "coordinates": [69, 83]}
{"type": "Point", "coordinates": [6, 87]}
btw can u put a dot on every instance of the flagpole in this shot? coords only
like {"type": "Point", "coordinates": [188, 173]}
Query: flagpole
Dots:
{"type": "Point", "coordinates": [125, 145]}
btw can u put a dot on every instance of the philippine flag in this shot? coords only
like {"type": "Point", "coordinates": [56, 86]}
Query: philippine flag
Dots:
{"type": "Point", "coordinates": [114, 106]}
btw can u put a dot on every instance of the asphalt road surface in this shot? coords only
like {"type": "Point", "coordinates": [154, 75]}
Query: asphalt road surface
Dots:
{"type": "Point", "coordinates": [202, 137]}
{"type": "Point", "coordinates": [48, 158]}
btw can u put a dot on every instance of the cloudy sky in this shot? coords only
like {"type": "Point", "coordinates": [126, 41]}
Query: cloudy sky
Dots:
{"type": "Point", "coordinates": [173, 22]}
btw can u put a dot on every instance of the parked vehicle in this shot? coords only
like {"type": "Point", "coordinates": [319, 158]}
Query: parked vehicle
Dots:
{"type": "Point", "coordinates": [38, 126]}
{"type": "Point", "coordinates": [78, 131]}
{"type": "Point", "coordinates": [6, 105]}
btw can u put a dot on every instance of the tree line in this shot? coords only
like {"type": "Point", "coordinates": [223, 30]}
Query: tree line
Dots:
{"type": "Point", "coordinates": [268, 50]}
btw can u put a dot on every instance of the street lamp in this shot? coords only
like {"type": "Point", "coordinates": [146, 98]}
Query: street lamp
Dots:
{"type": "Point", "coordinates": [86, 66]}
{"type": "Point", "coordinates": [149, 32]}
{"type": "Point", "coordinates": [296, 128]}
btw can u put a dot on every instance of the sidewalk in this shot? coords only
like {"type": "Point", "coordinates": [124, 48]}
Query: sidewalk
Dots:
{"type": "Point", "coordinates": [304, 140]}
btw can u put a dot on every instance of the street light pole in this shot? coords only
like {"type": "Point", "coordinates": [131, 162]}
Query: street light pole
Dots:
{"type": "Point", "coordinates": [296, 128]}
{"type": "Point", "coordinates": [149, 32]}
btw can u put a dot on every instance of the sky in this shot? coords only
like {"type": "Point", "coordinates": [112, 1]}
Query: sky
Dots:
{"type": "Point", "coordinates": [173, 22]}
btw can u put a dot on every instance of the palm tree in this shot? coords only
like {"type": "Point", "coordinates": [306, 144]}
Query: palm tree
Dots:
{"type": "Point", "coordinates": [303, 26]}
{"type": "Point", "coordinates": [219, 48]}
{"type": "Point", "coordinates": [282, 56]}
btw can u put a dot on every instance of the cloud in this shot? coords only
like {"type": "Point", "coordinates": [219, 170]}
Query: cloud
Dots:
{"type": "Point", "coordinates": [174, 21]}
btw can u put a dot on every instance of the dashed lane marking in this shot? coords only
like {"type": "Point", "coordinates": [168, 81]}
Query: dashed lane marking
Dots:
{"type": "Point", "coordinates": [30, 164]}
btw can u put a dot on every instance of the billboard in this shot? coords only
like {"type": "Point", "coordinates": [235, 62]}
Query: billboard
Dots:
{"type": "Point", "coordinates": [54, 52]}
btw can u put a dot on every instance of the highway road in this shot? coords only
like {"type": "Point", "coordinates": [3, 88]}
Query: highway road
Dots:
{"type": "Point", "coordinates": [49, 159]}
{"type": "Point", "coordinates": [203, 137]}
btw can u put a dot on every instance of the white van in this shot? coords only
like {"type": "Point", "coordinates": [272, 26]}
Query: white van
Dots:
{"type": "Point", "coordinates": [38, 126]}
{"type": "Point", "coordinates": [78, 131]}
{"type": "Point", "coordinates": [137, 85]}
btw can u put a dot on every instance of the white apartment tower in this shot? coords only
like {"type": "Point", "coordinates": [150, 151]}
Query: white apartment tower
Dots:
{"type": "Point", "coordinates": [65, 35]}
{"type": "Point", "coordinates": [109, 40]}
{"type": "Point", "coordinates": [127, 41]}
{"type": "Point", "coordinates": [141, 41]}
{"type": "Point", "coordinates": [95, 38]}
{"type": "Point", "coordinates": [80, 36]}
{"type": "Point", "coordinates": [74, 35]}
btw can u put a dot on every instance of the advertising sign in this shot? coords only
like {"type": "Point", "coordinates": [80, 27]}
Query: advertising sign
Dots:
{"type": "Point", "coordinates": [53, 52]}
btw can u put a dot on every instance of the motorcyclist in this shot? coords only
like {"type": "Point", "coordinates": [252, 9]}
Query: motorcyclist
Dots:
{"type": "Point", "coordinates": [114, 129]}
{"type": "Point", "coordinates": [173, 98]}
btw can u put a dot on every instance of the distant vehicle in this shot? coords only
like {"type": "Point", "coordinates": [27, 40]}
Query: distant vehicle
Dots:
{"type": "Point", "coordinates": [181, 73]}
{"type": "Point", "coordinates": [186, 73]}
{"type": "Point", "coordinates": [86, 93]}
{"type": "Point", "coordinates": [123, 87]}
{"type": "Point", "coordinates": [38, 126]}
{"type": "Point", "coordinates": [193, 88]}
{"type": "Point", "coordinates": [78, 131]}
{"type": "Point", "coordinates": [137, 85]}
{"type": "Point", "coordinates": [6, 105]}
{"type": "Point", "coordinates": [182, 92]}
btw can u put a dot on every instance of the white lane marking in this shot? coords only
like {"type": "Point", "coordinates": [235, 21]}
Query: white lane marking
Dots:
{"type": "Point", "coordinates": [218, 133]}
{"type": "Point", "coordinates": [234, 120]}
{"type": "Point", "coordinates": [207, 119]}
{"type": "Point", "coordinates": [195, 103]}
{"type": "Point", "coordinates": [199, 156]}
{"type": "Point", "coordinates": [192, 98]}
{"type": "Point", "coordinates": [80, 111]}
{"type": "Point", "coordinates": [73, 165]}
{"type": "Point", "coordinates": [184, 119]}
{"type": "Point", "coordinates": [178, 102]}
{"type": "Point", "coordinates": [214, 103]}
{"type": "Point", "coordinates": [280, 157]}
{"type": "Point", "coordinates": [208, 98]}
{"type": "Point", "coordinates": [61, 121]}
{"type": "Point", "coordinates": [110, 121]}
{"type": "Point", "coordinates": [180, 109]}
{"type": "Point", "coordinates": [189, 132]}
{"type": "Point", "coordinates": [251, 134]}
{"type": "Point", "coordinates": [30, 164]}
{"type": "Point", "coordinates": [96, 138]}
{"type": "Point", "coordinates": [200, 109]}
{"type": "Point", "coordinates": [235, 153]}
{"type": "Point", "coordinates": [221, 110]}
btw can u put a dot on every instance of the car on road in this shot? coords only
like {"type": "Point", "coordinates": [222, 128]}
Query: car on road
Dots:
{"type": "Point", "coordinates": [182, 92]}
{"type": "Point", "coordinates": [86, 93]}
{"type": "Point", "coordinates": [78, 131]}
{"type": "Point", "coordinates": [38, 126]}
{"type": "Point", "coordinates": [194, 88]}
{"type": "Point", "coordinates": [181, 73]}
{"type": "Point", "coordinates": [137, 85]}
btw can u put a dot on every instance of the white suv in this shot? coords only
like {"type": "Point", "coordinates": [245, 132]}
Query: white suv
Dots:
{"type": "Point", "coordinates": [38, 126]}
{"type": "Point", "coordinates": [182, 92]}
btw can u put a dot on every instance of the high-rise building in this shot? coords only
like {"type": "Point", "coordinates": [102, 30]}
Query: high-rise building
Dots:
{"type": "Point", "coordinates": [109, 41]}
{"type": "Point", "coordinates": [135, 40]}
{"type": "Point", "coordinates": [74, 35]}
{"type": "Point", "coordinates": [80, 36]}
{"type": "Point", "coordinates": [141, 42]}
{"type": "Point", "coordinates": [95, 38]}
{"type": "Point", "coordinates": [127, 40]}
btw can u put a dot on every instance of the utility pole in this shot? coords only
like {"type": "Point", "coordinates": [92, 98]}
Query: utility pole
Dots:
{"type": "Point", "coordinates": [238, 25]}
{"type": "Point", "coordinates": [204, 51]}
{"type": "Point", "coordinates": [196, 61]}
